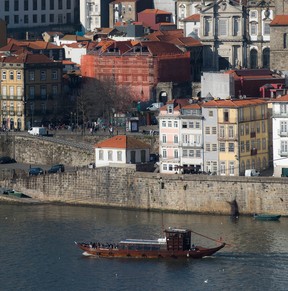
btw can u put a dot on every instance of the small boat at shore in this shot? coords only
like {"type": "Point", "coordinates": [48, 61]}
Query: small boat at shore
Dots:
{"type": "Point", "coordinates": [175, 244]}
{"type": "Point", "coordinates": [267, 217]}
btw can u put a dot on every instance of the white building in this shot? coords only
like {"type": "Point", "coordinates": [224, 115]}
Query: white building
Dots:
{"type": "Point", "coordinates": [94, 14]}
{"type": "Point", "coordinates": [191, 25]}
{"type": "Point", "coordinates": [27, 14]}
{"type": "Point", "coordinates": [280, 135]}
{"type": "Point", "coordinates": [121, 149]}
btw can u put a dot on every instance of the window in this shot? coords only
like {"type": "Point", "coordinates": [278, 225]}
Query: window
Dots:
{"type": "Point", "coordinates": [54, 90]}
{"type": "Point", "coordinates": [68, 18]}
{"type": "Point", "coordinates": [176, 124]}
{"type": "Point", "coordinates": [222, 131]}
{"type": "Point", "coordinates": [223, 27]}
{"type": "Point", "coordinates": [222, 147]}
{"type": "Point", "coordinates": [19, 92]}
{"type": "Point", "coordinates": [214, 147]}
{"type": "Point", "coordinates": [263, 144]}
{"type": "Point", "coordinates": [231, 168]}
{"type": "Point", "coordinates": [119, 156]}
{"type": "Point", "coordinates": [43, 92]}
{"type": "Point", "coordinates": [31, 75]}
{"type": "Point", "coordinates": [214, 130]}
{"type": "Point", "coordinates": [176, 139]}
{"type": "Point", "coordinates": [247, 129]}
{"type": "Point", "coordinates": [16, 19]}
{"type": "Point", "coordinates": [51, 4]}
{"type": "Point", "coordinates": [164, 153]}
{"type": "Point", "coordinates": [11, 92]}
{"type": "Point", "coordinates": [16, 5]}
{"type": "Point", "coordinates": [184, 124]}
{"type": "Point", "coordinates": [163, 123]}
{"type": "Point", "coordinates": [7, 19]}
{"type": "Point", "coordinates": [191, 124]}
{"type": "Point", "coordinates": [169, 123]}
{"type": "Point", "coordinates": [6, 7]}
{"type": "Point", "coordinates": [197, 125]}
{"type": "Point", "coordinates": [176, 154]}
{"type": "Point", "coordinates": [164, 167]}
{"type": "Point", "coordinates": [11, 74]}
{"type": "Point", "coordinates": [110, 155]}
{"type": "Point", "coordinates": [43, 75]}
{"type": "Point", "coordinates": [4, 91]}
{"type": "Point", "coordinates": [43, 18]}
{"type": "Point", "coordinates": [18, 75]}
{"type": "Point", "coordinates": [231, 147]}
{"type": "Point", "coordinates": [258, 144]}
{"type": "Point", "coordinates": [43, 4]}
{"type": "Point", "coordinates": [222, 168]}
{"type": "Point", "coordinates": [208, 147]}
{"type": "Point", "coordinates": [34, 4]}
{"type": "Point", "coordinates": [101, 155]}
{"type": "Point", "coordinates": [207, 26]}
{"type": "Point", "coordinates": [284, 146]}
{"type": "Point", "coordinates": [266, 28]}
{"type": "Point", "coordinates": [207, 130]}
{"type": "Point", "coordinates": [26, 5]}
{"type": "Point", "coordinates": [191, 153]}
{"type": "Point", "coordinates": [247, 146]}
{"type": "Point", "coordinates": [68, 5]}
{"type": "Point", "coordinates": [34, 18]}
{"type": "Point", "coordinates": [31, 92]}
{"type": "Point", "coordinates": [60, 4]}
{"type": "Point", "coordinates": [231, 131]}
{"type": "Point", "coordinates": [253, 28]}
{"type": "Point", "coordinates": [198, 154]}
{"type": "Point", "coordinates": [51, 18]}
{"type": "Point", "coordinates": [253, 14]}
{"type": "Point", "coordinates": [4, 75]}
{"type": "Point", "coordinates": [210, 113]}
{"type": "Point", "coordinates": [283, 108]}
{"type": "Point", "coordinates": [236, 24]}
{"type": "Point", "coordinates": [54, 75]}
{"type": "Point", "coordinates": [26, 19]}
{"type": "Point", "coordinates": [226, 116]}
{"type": "Point", "coordinates": [242, 146]}
{"type": "Point", "coordinates": [185, 153]}
{"type": "Point", "coordinates": [164, 138]}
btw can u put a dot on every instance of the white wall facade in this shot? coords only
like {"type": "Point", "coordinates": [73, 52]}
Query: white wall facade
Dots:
{"type": "Point", "coordinates": [74, 54]}
{"type": "Point", "coordinates": [90, 14]}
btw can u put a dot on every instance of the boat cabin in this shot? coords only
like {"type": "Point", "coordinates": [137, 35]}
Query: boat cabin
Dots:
{"type": "Point", "coordinates": [178, 239]}
{"type": "Point", "coordinates": [142, 244]}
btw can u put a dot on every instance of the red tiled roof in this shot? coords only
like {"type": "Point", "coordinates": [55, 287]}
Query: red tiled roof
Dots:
{"type": "Point", "coordinates": [161, 48]}
{"type": "Point", "coordinates": [27, 58]}
{"type": "Point", "coordinates": [155, 11]}
{"type": "Point", "coordinates": [73, 37]}
{"type": "Point", "coordinates": [122, 142]}
{"type": "Point", "coordinates": [233, 103]}
{"type": "Point", "coordinates": [279, 20]}
{"type": "Point", "coordinates": [283, 98]}
{"type": "Point", "coordinates": [192, 18]}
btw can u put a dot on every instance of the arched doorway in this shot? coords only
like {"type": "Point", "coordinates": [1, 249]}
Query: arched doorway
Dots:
{"type": "Point", "coordinates": [266, 58]}
{"type": "Point", "coordinates": [253, 59]}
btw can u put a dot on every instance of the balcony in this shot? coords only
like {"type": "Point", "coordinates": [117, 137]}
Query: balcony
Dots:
{"type": "Point", "coordinates": [282, 133]}
{"type": "Point", "coordinates": [192, 145]}
{"type": "Point", "coordinates": [283, 153]}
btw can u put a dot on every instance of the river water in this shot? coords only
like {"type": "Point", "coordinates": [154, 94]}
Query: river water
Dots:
{"type": "Point", "coordinates": [38, 251]}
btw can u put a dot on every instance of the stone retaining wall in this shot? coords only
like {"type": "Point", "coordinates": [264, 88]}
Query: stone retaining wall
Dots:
{"type": "Point", "coordinates": [122, 186]}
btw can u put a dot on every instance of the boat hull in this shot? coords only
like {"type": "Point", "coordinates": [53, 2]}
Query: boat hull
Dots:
{"type": "Point", "coordinates": [266, 217]}
{"type": "Point", "coordinates": [195, 253]}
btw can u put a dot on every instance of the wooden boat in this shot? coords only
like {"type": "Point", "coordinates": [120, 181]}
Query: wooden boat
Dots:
{"type": "Point", "coordinates": [267, 217]}
{"type": "Point", "coordinates": [176, 243]}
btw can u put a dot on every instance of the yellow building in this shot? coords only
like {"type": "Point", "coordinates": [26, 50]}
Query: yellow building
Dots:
{"type": "Point", "coordinates": [242, 135]}
{"type": "Point", "coordinates": [31, 85]}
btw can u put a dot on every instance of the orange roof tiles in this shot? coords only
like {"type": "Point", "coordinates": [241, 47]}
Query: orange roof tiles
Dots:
{"type": "Point", "coordinates": [122, 142]}
{"type": "Point", "coordinates": [233, 103]}
{"type": "Point", "coordinates": [283, 98]}
{"type": "Point", "coordinates": [279, 20]}
{"type": "Point", "coordinates": [192, 18]}
{"type": "Point", "coordinates": [155, 11]}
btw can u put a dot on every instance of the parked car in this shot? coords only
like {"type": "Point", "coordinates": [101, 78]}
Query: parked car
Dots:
{"type": "Point", "coordinates": [7, 160]}
{"type": "Point", "coordinates": [56, 169]}
{"type": "Point", "coordinates": [36, 171]}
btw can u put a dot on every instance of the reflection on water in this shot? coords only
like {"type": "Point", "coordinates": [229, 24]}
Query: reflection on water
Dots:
{"type": "Point", "coordinates": [37, 244]}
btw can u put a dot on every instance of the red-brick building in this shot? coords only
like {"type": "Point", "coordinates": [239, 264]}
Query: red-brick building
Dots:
{"type": "Point", "coordinates": [147, 68]}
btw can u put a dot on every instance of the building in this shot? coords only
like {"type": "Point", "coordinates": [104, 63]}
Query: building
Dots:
{"type": "Point", "coordinates": [191, 26]}
{"type": "Point", "coordinates": [223, 137]}
{"type": "Point", "coordinates": [145, 68]}
{"type": "Point", "coordinates": [156, 19]}
{"type": "Point", "coordinates": [3, 33]}
{"type": "Point", "coordinates": [239, 84]}
{"type": "Point", "coordinates": [31, 90]}
{"type": "Point", "coordinates": [280, 136]}
{"type": "Point", "coordinates": [240, 136]}
{"type": "Point", "coordinates": [30, 18]}
{"type": "Point", "coordinates": [121, 149]}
